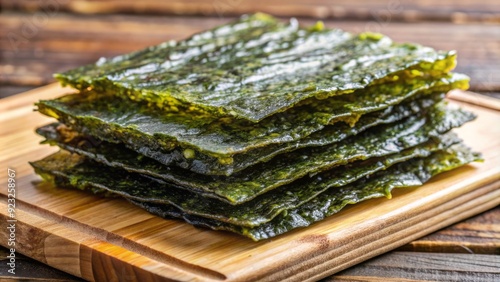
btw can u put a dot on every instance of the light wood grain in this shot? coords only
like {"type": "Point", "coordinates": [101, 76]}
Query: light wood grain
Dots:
{"type": "Point", "coordinates": [109, 239]}
{"type": "Point", "coordinates": [476, 99]}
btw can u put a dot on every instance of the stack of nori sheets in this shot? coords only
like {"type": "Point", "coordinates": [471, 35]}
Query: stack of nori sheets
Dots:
{"type": "Point", "coordinates": [258, 126]}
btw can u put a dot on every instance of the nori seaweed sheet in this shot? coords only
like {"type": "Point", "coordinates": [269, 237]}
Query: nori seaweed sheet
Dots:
{"type": "Point", "coordinates": [256, 67]}
{"type": "Point", "coordinates": [379, 141]}
{"type": "Point", "coordinates": [412, 173]}
{"type": "Point", "coordinates": [107, 152]}
{"type": "Point", "coordinates": [175, 128]}
{"type": "Point", "coordinates": [86, 174]}
{"type": "Point", "coordinates": [195, 142]}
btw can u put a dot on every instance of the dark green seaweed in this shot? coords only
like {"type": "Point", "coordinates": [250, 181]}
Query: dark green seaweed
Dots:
{"type": "Point", "coordinates": [195, 142]}
{"type": "Point", "coordinates": [118, 155]}
{"type": "Point", "coordinates": [412, 173]}
{"type": "Point", "coordinates": [256, 67]}
{"type": "Point", "coordinates": [86, 174]}
{"type": "Point", "coordinates": [257, 127]}
{"type": "Point", "coordinates": [238, 188]}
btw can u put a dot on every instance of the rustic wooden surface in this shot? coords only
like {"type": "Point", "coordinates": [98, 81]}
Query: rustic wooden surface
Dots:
{"type": "Point", "coordinates": [107, 239]}
{"type": "Point", "coordinates": [415, 10]}
{"type": "Point", "coordinates": [411, 266]}
{"type": "Point", "coordinates": [40, 37]}
{"type": "Point", "coordinates": [66, 41]}
{"type": "Point", "coordinates": [49, 38]}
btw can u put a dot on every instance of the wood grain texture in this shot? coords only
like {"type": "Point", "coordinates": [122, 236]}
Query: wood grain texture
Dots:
{"type": "Point", "coordinates": [71, 35]}
{"type": "Point", "coordinates": [477, 235]}
{"type": "Point", "coordinates": [398, 10]}
{"type": "Point", "coordinates": [31, 51]}
{"type": "Point", "coordinates": [414, 266]}
{"type": "Point", "coordinates": [109, 239]}
{"type": "Point", "coordinates": [27, 268]}
{"type": "Point", "coordinates": [476, 99]}
{"type": "Point", "coordinates": [9, 90]}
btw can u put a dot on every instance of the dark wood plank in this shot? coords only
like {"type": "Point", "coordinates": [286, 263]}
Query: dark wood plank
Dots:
{"type": "Point", "coordinates": [9, 90]}
{"type": "Point", "coordinates": [414, 266]}
{"type": "Point", "coordinates": [30, 269]}
{"type": "Point", "coordinates": [478, 235]}
{"type": "Point", "coordinates": [397, 10]}
{"type": "Point", "coordinates": [30, 53]}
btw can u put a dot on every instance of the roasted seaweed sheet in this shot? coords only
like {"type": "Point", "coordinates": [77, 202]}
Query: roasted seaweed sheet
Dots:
{"type": "Point", "coordinates": [103, 151]}
{"type": "Point", "coordinates": [87, 174]}
{"type": "Point", "coordinates": [256, 67]}
{"type": "Point", "coordinates": [257, 127]}
{"type": "Point", "coordinates": [412, 173]}
{"type": "Point", "coordinates": [196, 142]}
{"type": "Point", "coordinates": [238, 188]}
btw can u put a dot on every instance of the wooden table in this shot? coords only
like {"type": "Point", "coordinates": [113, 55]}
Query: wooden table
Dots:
{"type": "Point", "coordinates": [38, 38]}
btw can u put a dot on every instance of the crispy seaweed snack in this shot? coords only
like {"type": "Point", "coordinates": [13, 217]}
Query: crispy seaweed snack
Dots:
{"type": "Point", "coordinates": [86, 174]}
{"type": "Point", "coordinates": [257, 127]}
{"type": "Point", "coordinates": [256, 67]}
{"type": "Point", "coordinates": [209, 146]}
{"type": "Point", "coordinates": [412, 173]}
{"type": "Point", "coordinates": [61, 135]}
{"type": "Point", "coordinates": [238, 188]}
{"type": "Point", "coordinates": [274, 214]}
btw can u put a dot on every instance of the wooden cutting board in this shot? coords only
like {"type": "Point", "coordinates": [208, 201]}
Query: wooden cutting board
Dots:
{"type": "Point", "coordinates": [111, 240]}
